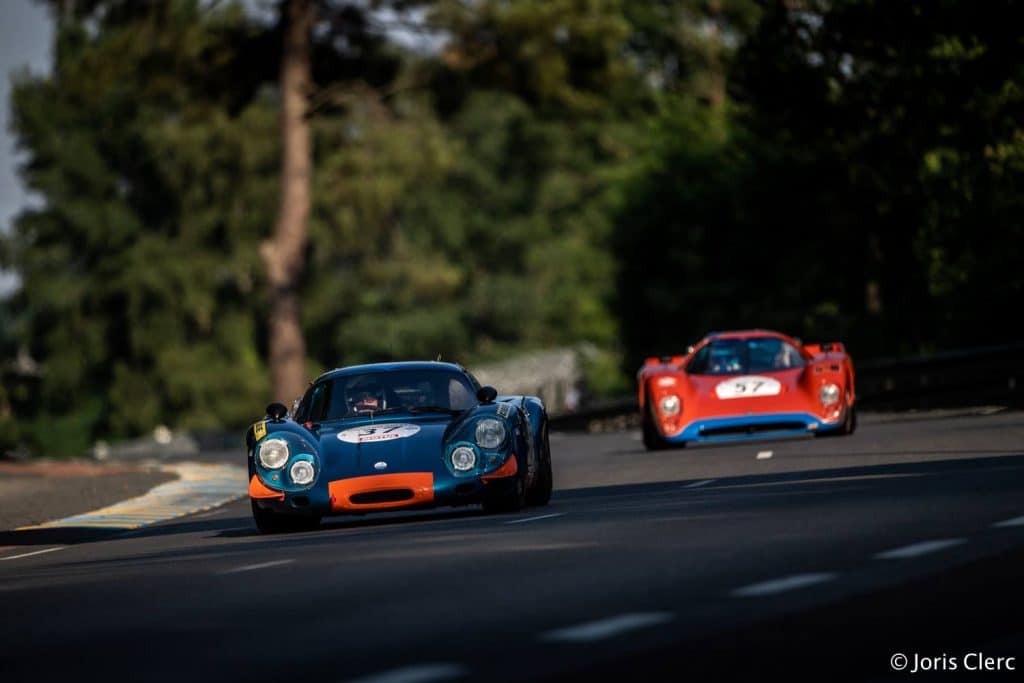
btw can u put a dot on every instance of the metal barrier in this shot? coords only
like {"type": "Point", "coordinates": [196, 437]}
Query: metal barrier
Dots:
{"type": "Point", "coordinates": [990, 375]}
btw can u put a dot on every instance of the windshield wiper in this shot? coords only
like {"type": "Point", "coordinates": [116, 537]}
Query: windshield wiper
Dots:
{"type": "Point", "coordinates": [434, 409]}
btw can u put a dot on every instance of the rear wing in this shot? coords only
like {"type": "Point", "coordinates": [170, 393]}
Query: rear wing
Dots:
{"type": "Point", "coordinates": [819, 349]}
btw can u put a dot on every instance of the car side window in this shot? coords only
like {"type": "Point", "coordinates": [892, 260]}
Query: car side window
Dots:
{"type": "Point", "coordinates": [460, 395]}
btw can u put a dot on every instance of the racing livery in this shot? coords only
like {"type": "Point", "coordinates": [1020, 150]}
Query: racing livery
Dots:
{"type": "Point", "coordinates": [396, 436]}
{"type": "Point", "coordinates": [744, 384]}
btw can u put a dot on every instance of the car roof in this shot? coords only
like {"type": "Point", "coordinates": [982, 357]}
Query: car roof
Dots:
{"type": "Point", "coordinates": [744, 334]}
{"type": "Point", "coordinates": [391, 367]}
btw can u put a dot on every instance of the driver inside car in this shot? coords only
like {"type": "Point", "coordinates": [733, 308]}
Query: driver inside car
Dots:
{"type": "Point", "coordinates": [368, 398]}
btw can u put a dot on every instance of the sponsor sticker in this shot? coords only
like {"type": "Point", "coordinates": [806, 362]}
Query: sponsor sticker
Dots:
{"type": "Point", "coordinates": [504, 410]}
{"type": "Point", "coordinates": [747, 386]}
{"type": "Point", "coordinates": [378, 432]}
{"type": "Point", "coordinates": [259, 430]}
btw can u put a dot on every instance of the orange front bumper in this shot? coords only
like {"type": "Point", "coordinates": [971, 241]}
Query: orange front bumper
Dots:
{"type": "Point", "coordinates": [381, 491]}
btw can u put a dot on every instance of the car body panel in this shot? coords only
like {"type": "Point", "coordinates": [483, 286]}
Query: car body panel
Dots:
{"type": "Point", "coordinates": [396, 461]}
{"type": "Point", "coordinates": [781, 401]}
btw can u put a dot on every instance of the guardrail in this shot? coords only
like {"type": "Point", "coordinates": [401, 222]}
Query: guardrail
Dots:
{"type": "Point", "coordinates": [967, 377]}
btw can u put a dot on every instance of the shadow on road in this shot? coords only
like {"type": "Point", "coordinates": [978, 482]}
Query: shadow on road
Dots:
{"type": "Point", "coordinates": [241, 526]}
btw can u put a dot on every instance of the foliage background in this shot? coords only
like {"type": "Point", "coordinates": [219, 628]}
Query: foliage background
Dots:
{"type": "Point", "coordinates": [493, 177]}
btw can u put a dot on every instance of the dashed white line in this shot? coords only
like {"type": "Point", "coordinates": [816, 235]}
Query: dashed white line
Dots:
{"type": "Point", "coordinates": [698, 484]}
{"type": "Point", "coordinates": [421, 673]}
{"type": "Point", "coordinates": [1016, 521]}
{"type": "Point", "coordinates": [606, 628]}
{"type": "Point", "coordinates": [918, 549]}
{"type": "Point", "coordinates": [253, 567]}
{"type": "Point", "coordinates": [781, 585]}
{"type": "Point", "coordinates": [534, 519]}
{"type": "Point", "coordinates": [764, 455]}
{"type": "Point", "coordinates": [34, 552]}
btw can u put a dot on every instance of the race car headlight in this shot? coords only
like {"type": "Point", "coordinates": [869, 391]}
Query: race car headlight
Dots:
{"type": "Point", "coordinates": [463, 459]}
{"type": "Point", "coordinates": [302, 472]}
{"type": "Point", "coordinates": [829, 394]}
{"type": "Point", "coordinates": [273, 453]}
{"type": "Point", "coordinates": [490, 433]}
{"type": "Point", "coordinates": [669, 405]}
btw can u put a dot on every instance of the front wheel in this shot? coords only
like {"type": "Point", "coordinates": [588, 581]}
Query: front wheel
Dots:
{"type": "Point", "coordinates": [511, 501]}
{"type": "Point", "coordinates": [269, 522]}
{"type": "Point", "coordinates": [540, 494]}
{"type": "Point", "coordinates": [848, 427]}
{"type": "Point", "coordinates": [652, 440]}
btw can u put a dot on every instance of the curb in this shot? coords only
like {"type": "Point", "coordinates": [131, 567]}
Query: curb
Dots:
{"type": "Point", "coordinates": [199, 487]}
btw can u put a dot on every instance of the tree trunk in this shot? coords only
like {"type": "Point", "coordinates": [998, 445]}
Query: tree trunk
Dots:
{"type": "Point", "coordinates": [284, 254]}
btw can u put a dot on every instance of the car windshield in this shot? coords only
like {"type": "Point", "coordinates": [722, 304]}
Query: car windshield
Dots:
{"type": "Point", "coordinates": [742, 356]}
{"type": "Point", "coordinates": [390, 391]}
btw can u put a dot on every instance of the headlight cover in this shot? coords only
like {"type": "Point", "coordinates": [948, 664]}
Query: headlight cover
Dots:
{"type": "Point", "coordinates": [463, 459]}
{"type": "Point", "coordinates": [669, 405]}
{"type": "Point", "coordinates": [302, 472]}
{"type": "Point", "coordinates": [274, 453]}
{"type": "Point", "coordinates": [490, 433]}
{"type": "Point", "coordinates": [829, 394]}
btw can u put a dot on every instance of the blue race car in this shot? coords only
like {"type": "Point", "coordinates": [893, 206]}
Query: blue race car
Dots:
{"type": "Point", "coordinates": [396, 436]}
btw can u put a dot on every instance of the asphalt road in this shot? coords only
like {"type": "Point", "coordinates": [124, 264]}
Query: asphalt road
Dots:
{"type": "Point", "coordinates": [816, 559]}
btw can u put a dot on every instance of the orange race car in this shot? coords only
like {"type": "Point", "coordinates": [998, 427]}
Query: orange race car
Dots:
{"type": "Point", "coordinates": [745, 384]}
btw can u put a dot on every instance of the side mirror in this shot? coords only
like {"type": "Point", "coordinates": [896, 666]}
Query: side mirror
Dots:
{"type": "Point", "coordinates": [276, 411]}
{"type": "Point", "coordinates": [487, 394]}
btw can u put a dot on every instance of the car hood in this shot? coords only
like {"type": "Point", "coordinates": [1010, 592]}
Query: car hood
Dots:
{"type": "Point", "coordinates": [383, 446]}
{"type": "Point", "coordinates": [778, 391]}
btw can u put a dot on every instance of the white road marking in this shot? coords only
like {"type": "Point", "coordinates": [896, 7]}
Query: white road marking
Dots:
{"type": "Point", "coordinates": [534, 519]}
{"type": "Point", "coordinates": [764, 455]}
{"type": "Point", "coordinates": [1016, 521]}
{"type": "Point", "coordinates": [698, 484]}
{"type": "Point", "coordinates": [421, 673]}
{"type": "Point", "coordinates": [786, 583]}
{"type": "Point", "coordinates": [918, 549]}
{"type": "Point", "coordinates": [606, 628]}
{"type": "Point", "coordinates": [34, 552]}
{"type": "Point", "coordinates": [252, 567]}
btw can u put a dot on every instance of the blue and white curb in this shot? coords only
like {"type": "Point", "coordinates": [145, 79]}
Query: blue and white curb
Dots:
{"type": "Point", "coordinates": [199, 487]}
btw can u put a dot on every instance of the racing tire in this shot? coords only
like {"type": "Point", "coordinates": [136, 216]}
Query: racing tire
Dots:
{"type": "Point", "coordinates": [513, 501]}
{"type": "Point", "coordinates": [540, 494]}
{"type": "Point", "coordinates": [850, 424]}
{"type": "Point", "coordinates": [652, 440]}
{"type": "Point", "coordinates": [269, 522]}
{"type": "Point", "coordinates": [848, 427]}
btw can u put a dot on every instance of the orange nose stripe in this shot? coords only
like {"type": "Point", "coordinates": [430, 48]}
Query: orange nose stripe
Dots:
{"type": "Point", "coordinates": [509, 469]}
{"type": "Point", "coordinates": [257, 489]}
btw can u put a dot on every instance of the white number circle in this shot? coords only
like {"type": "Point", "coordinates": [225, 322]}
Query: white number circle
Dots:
{"type": "Point", "coordinates": [750, 385]}
{"type": "Point", "coordinates": [378, 432]}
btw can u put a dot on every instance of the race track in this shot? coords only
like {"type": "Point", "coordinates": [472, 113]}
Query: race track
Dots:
{"type": "Point", "coordinates": [814, 559]}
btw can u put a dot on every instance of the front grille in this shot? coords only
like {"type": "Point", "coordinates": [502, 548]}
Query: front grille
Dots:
{"type": "Point", "coordinates": [388, 496]}
{"type": "Point", "coordinates": [753, 428]}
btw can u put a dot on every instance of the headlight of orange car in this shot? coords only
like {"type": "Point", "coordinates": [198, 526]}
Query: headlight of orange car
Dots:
{"type": "Point", "coordinates": [669, 405]}
{"type": "Point", "coordinates": [829, 394]}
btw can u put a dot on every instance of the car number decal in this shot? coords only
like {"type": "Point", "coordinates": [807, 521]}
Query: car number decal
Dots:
{"type": "Point", "coordinates": [378, 432]}
{"type": "Point", "coordinates": [752, 385]}
{"type": "Point", "coordinates": [259, 430]}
